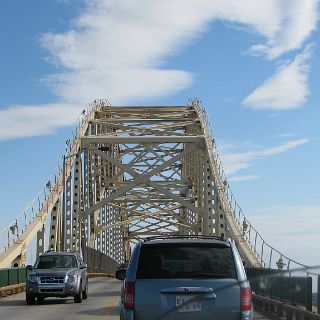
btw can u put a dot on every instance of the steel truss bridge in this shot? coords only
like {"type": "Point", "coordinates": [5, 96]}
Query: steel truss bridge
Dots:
{"type": "Point", "coordinates": [133, 172]}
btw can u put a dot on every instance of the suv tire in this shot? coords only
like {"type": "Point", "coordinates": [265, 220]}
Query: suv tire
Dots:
{"type": "Point", "coordinates": [78, 298]}
{"type": "Point", "coordinates": [85, 292]}
{"type": "Point", "coordinates": [30, 300]}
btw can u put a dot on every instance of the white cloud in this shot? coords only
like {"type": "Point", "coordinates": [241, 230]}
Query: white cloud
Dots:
{"type": "Point", "coordinates": [117, 49]}
{"type": "Point", "coordinates": [120, 86]}
{"type": "Point", "coordinates": [293, 23]}
{"type": "Point", "coordinates": [243, 178]}
{"type": "Point", "coordinates": [287, 89]}
{"type": "Point", "coordinates": [32, 120]}
{"type": "Point", "coordinates": [286, 135]}
{"type": "Point", "coordinates": [234, 162]}
{"type": "Point", "coordinates": [295, 231]}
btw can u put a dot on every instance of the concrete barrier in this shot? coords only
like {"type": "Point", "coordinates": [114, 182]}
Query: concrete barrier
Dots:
{"type": "Point", "coordinates": [12, 289]}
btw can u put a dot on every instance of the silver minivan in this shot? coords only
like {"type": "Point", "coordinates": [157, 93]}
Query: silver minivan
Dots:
{"type": "Point", "coordinates": [185, 277]}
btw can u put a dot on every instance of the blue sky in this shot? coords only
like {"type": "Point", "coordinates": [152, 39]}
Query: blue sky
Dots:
{"type": "Point", "coordinates": [254, 64]}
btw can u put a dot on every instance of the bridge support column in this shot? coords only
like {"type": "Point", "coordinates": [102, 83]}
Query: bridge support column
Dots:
{"type": "Point", "coordinates": [20, 260]}
{"type": "Point", "coordinates": [75, 240]}
{"type": "Point", "coordinates": [220, 222]}
{"type": "Point", "coordinates": [40, 240]}
{"type": "Point", "coordinates": [23, 255]}
{"type": "Point", "coordinates": [68, 215]}
{"type": "Point", "coordinates": [55, 228]}
{"type": "Point", "coordinates": [207, 220]}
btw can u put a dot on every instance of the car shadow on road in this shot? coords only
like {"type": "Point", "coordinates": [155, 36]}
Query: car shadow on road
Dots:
{"type": "Point", "coordinates": [54, 301]}
{"type": "Point", "coordinates": [104, 294]}
{"type": "Point", "coordinates": [22, 303]}
{"type": "Point", "coordinates": [17, 303]}
{"type": "Point", "coordinates": [102, 312]}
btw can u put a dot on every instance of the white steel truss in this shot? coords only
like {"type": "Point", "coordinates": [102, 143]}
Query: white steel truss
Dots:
{"type": "Point", "coordinates": [134, 172]}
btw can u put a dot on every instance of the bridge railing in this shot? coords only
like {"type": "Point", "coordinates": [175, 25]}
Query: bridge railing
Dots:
{"type": "Point", "coordinates": [268, 256]}
{"type": "Point", "coordinates": [17, 227]}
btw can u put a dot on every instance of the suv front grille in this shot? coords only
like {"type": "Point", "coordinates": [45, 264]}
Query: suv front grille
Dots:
{"type": "Point", "coordinates": [47, 290]}
{"type": "Point", "coordinates": [51, 279]}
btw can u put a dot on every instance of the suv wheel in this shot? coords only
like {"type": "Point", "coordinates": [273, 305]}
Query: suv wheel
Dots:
{"type": "Point", "coordinates": [30, 299]}
{"type": "Point", "coordinates": [78, 297]}
{"type": "Point", "coordinates": [85, 292]}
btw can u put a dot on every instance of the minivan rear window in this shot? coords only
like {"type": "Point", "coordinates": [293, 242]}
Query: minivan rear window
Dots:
{"type": "Point", "coordinates": [186, 260]}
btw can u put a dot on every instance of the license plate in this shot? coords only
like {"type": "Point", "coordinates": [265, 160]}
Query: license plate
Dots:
{"type": "Point", "coordinates": [185, 306]}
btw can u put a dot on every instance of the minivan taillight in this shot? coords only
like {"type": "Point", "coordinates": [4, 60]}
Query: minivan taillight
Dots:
{"type": "Point", "coordinates": [245, 299]}
{"type": "Point", "coordinates": [129, 295]}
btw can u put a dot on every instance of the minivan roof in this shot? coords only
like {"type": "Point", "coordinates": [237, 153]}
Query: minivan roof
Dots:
{"type": "Point", "coordinates": [186, 240]}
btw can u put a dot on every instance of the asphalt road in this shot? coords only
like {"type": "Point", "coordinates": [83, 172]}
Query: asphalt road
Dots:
{"type": "Point", "coordinates": [102, 303]}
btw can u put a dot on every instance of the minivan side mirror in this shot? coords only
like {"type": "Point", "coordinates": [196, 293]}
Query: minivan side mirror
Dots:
{"type": "Point", "coordinates": [121, 274]}
{"type": "Point", "coordinates": [29, 267]}
{"type": "Point", "coordinates": [83, 266]}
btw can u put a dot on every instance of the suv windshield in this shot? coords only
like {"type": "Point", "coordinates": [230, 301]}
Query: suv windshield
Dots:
{"type": "Point", "coordinates": [56, 261]}
{"type": "Point", "coordinates": [185, 260]}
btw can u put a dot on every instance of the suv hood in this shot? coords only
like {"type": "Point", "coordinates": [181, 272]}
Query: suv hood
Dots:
{"type": "Point", "coordinates": [57, 272]}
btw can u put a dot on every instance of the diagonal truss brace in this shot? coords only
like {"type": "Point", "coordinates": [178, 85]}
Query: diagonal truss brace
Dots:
{"type": "Point", "coordinates": [140, 179]}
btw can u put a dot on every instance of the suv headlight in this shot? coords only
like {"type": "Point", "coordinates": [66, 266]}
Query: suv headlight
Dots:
{"type": "Point", "coordinates": [32, 278]}
{"type": "Point", "coordinates": [71, 278]}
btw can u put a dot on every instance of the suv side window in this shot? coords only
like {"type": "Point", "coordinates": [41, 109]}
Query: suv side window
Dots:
{"type": "Point", "coordinates": [185, 260]}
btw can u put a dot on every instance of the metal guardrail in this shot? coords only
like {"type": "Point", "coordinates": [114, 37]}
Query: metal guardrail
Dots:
{"type": "Point", "coordinates": [12, 276]}
{"type": "Point", "coordinates": [98, 262]}
{"type": "Point", "coordinates": [282, 286]}
{"type": "Point", "coordinates": [282, 309]}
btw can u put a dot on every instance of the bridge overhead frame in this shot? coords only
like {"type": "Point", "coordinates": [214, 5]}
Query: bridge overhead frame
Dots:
{"type": "Point", "coordinates": [153, 184]}
{"type": "Point", "coordinates": [133, 172]}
